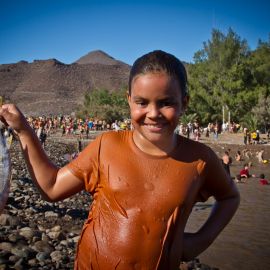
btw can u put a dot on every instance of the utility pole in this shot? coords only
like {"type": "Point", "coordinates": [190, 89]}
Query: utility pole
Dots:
{"type": "Point", "coordinates": [223, 115]}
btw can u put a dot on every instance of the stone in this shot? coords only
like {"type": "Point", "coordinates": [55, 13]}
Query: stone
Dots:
{"type": "Point", "coordinates": [42, 256]}
{"type": "Point", "coordinates": [19, 265]}
{"type": "Point", "coordinates": [32, 262]}
{"type": "Point", "coordinates": [56, 235]}
{"type": "Point", "coordinates": [6, 246]}
{"type": "Point", "coordinates": [8, 220]}
{"type": "Point", "coordinates": [26, 232]}
{"type": "Point", "coordinates": [56, 256]}
{"type": "Point", "coordinates": [42, 246]}
{"type": "Point", "coordinates": [51, 214]}
{"type": "Point", "coordinates": [56, 228]}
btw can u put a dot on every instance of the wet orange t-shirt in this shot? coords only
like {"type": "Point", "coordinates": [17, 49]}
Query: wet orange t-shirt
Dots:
{"type": "Point", "coordinates": [141, 202]}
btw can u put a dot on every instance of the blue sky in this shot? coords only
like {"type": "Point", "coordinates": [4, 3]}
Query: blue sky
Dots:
{"type": "Point", "coordinates": [67, 30]}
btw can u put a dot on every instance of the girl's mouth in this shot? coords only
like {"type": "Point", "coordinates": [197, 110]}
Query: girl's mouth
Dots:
{"type": "Point", "coordinates": [154, 127]}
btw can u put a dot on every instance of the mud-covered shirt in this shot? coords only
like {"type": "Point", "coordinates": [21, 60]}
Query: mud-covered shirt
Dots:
{"type": "Point", "coordinates": [141, 202]}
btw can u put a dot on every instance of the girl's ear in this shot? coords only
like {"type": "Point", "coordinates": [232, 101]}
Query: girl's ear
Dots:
{"type": "Point", "coordinates": [128, 97]}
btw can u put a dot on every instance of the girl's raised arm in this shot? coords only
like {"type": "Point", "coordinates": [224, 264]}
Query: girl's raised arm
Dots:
{"type": "Point", "coordinates": [54, 183]}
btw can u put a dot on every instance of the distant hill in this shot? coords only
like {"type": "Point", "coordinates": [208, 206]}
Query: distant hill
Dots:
{"type": "Point", "coordinates": [98, 57]}
{"type": "Point", "coordinates": [46, 87]}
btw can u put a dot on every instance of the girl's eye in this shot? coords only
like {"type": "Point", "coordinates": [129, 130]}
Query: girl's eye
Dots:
{"type": "Point", "coordinates": [166, 103]}
{"type": "Point", "coordinates": [141, 103]}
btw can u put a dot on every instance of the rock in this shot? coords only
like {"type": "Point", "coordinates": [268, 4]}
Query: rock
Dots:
{"type": "Point", "coordinates": [51, 214]}
{"type": "Point", "coordinates": [45, 237]}
{"type": "Point", "coordinates": [13, 258]}
{"type": "Point", "coordinates": [26, 232]}
{"type": "Point", "coordinates": [56, 228]}
{"type": "Point", "coordinates": [19, 265]}
{"type": "Point", "coordinates": [76, 239]}
{"type": "Point", "coordinates": [56, 256]}
{"type": "Point", "coordinates": [15, 237]}
{"type": "Point", "coordinates": [56, 235]}
{"type": "Point", "coordinates": [8, 220]}
{"type": "Point", "coordinates": [3, 264]}
{"type": "Point", "coordinates": [42, 256]}
{"type": "Point", "coordinates": [6, 246]}
{"type": "Point", "coordinates": [22, 251]}
{"type": "Point", "coordinates": [32, 262]}
{"type": "Point", "coordinates": [42, 246]}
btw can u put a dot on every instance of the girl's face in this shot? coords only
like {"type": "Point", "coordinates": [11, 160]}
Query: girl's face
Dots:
{"type": "Point", "coordinates": [155, 104]}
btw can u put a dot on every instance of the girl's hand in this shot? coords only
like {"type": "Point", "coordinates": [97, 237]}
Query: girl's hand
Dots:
{"type": "Point", "coordinates": [13, 117]}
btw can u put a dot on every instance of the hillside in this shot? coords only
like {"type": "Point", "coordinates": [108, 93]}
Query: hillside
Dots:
{"type": "Point", "coordinates": [46, 87]}
{"type": "Point", "coordinates": [98, 57]}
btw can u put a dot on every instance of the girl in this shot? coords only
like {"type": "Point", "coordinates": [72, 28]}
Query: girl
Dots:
{"type": "Point", "coordinates": [144, 182]}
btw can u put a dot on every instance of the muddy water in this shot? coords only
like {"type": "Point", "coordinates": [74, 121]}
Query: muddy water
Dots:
{"type": "Point", "coordinates": [245, 242]}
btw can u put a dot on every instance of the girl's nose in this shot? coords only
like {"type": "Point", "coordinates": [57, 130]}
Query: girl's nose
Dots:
{"type": "Point", "coordinates": [153, 111]}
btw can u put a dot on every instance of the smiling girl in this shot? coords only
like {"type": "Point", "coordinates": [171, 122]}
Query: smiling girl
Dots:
{"type": "Point", "coordinates": [144, 182]}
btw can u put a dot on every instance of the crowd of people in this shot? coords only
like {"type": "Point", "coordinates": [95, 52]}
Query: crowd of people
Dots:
{"type": "Point", "coordinates": [68, 125]}
{"type": "Point", "coordinates": [244, 173]}
{"type": "Point", "coordinates": [195, 131]}
{"type": "Point", "coordinates": [71, 125]}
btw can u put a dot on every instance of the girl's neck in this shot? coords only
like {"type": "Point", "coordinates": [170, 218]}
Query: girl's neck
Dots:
{"type": "Point", "coordinates": [155, 149]}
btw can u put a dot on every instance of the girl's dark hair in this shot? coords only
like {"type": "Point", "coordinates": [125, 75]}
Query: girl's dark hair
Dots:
{"type": "Point", "coordinates": [160, 61]}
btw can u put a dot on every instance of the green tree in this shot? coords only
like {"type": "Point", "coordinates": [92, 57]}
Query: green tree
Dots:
{"type": "Point", "coordinates": [221, 76]}
{"type": "Point", "coordinates": [262, 112]}
{"type": "Point", "coordinates": [106, 105]}
{"type": "Point", "coordinates": [250, 121]}
{"type": "Point", "coordinates": [188, 118]}
{"type": "Point", "coordinates": [259, 63]}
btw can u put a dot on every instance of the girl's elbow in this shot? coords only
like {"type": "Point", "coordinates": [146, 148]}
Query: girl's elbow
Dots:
{"type": "Point", "coordinates": [49, 197]}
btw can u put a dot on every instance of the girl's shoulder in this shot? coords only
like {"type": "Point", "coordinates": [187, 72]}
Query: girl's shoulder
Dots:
{"type": "Point", "coordinates": [115, 138]}
{"type": "Point", "coordinates": [116, 135]}
{"type": "Point", "coordinates": [193, 150]}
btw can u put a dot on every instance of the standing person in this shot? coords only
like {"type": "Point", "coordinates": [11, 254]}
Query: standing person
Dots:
{"type": "Point", "coordinates": [188, 131]}
{"type": "Point", "coordinates": [238, 156]}
{"type": "Point", "coordinates": [79, 141]}
{"type": "Point", "coordinates": [226, 162]}
{"type": "Point", "coordinates": [141, 203]}
{"type": "Point", "coordinates": [245, 131]}
{"type": "Point", "coordinates": [257, 139]}
{"type": "Point", "coordinates": [43, 137]}
{"type": "Point", "coordinates": [248, 137]}
{"type": "Point", "coordinates": [254, 137]}
{"type": "Point", "coordinates": [216, 131]}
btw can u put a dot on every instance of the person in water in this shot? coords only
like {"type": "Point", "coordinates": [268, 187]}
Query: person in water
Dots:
{"type": "Point", "coordinates": [141, 203]}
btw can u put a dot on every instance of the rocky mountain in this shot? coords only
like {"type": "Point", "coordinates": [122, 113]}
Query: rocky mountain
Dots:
{"type": "Point", "coordinates": [46, 87]}
{"type": "Point", "coordinates": [98, 57]}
